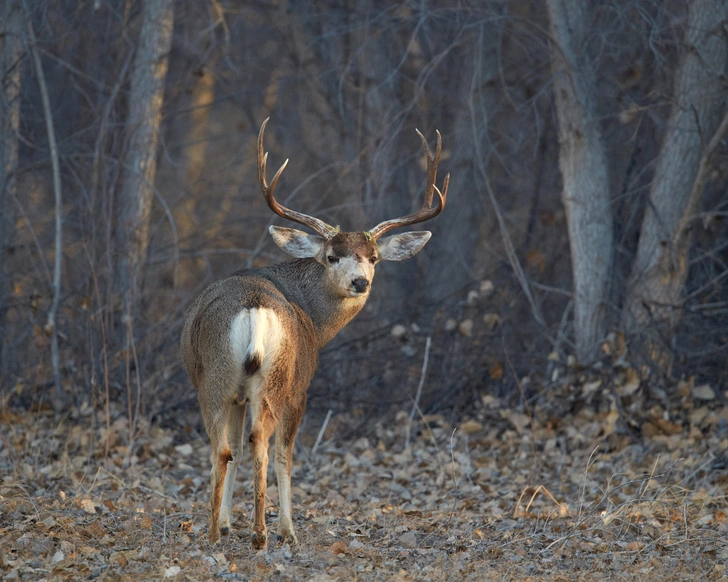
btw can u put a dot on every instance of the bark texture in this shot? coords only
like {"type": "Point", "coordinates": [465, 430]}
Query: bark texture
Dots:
{"type": "Point", "coordinates": [10, 41]}
{"type": "Point", "coordinates": [583, 164]}
{"type": "Point", "coordinates": [145, 107]}
{"type": "Point", "coordinates": [657, 281]}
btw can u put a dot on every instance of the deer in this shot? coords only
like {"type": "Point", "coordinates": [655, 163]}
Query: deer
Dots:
{"type": "Point", "coordinates": [252, 340]}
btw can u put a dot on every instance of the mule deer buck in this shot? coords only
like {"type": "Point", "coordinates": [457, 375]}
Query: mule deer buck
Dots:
{"type": "Point", "coordinates": [254, 337]}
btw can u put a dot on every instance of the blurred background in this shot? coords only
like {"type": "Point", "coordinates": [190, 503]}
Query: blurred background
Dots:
{"type": "Point", "coordinates": [585, 221]}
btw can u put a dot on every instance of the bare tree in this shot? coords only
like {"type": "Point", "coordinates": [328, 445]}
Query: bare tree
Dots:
{"type": "Point", "coordinates": [10, 41]}
{"type": "Point", "coordinates": [145, 108]}
{"type": "Point", "coordinates": [583, 163]}
{"type": "Point", "coordinates": [51, 327]}
{"type": "Point", "coordinates": [657, 281]}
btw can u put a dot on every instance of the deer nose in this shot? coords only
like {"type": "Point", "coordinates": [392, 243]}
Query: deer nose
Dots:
{"type": "Point", "coordinates": [360, 284]}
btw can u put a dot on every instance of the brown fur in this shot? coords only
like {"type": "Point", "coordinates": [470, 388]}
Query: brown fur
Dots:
{"type": "Point", "coordinates": [311, 315]}
{"type": "Point", "coordinates": [358, 244]}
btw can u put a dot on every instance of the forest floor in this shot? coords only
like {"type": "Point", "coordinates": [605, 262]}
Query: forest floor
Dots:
{"type": "Point", "coordinates": [530, 494]}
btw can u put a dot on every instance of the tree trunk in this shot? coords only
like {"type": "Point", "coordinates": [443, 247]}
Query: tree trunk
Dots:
{"type": "Point", "coordinates": [194, 158]}
{"type": "Point", "coordinates": [583, 164]}
{"type": "Point", "coordinates": [10, 40]}
{"type": "Point", "coordinates": [656, 284]}
{"type": "Point", "coordinates": [145, 107]}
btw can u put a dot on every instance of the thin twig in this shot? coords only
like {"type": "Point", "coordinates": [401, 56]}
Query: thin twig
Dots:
{"type": "Point", "coordinates": [696, 192]}
{"type": "Point", "coordinates": [418, 394]}
{"type": "Point", "coordinates": [321, 433]}
{"type": "Point", "coordinates": [175, 237]}
{"type": "Point", "coordinates": [107, 407]}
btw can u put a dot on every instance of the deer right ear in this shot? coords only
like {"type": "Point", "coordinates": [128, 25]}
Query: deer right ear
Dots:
{"type": "Point", "coordinates": [296, 242]}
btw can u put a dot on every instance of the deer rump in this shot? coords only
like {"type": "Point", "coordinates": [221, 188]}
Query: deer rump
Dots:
{"type": "Point", "coordinates": [260, 341]}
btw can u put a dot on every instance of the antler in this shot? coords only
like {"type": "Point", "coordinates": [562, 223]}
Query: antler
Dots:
{"type": "Point", "coordinates": [314, 224]}
{"type": "Point", "coordinates": [426, 212]}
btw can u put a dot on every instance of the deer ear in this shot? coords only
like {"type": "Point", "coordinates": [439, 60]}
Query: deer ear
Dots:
{"type": "Point", "coordinates": [403, 246]}
{"type": "Point", "coordinates": [297, 243]}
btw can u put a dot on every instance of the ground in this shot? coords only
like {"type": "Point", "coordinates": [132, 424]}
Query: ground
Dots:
{"type": "Point", "coordinates": [503, 494]}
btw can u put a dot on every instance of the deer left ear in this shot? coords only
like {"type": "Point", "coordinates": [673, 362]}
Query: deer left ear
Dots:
{"type": "Point", "coordinates": [403, 246]}
{"type": "Point", "coordinates": [296, 242]}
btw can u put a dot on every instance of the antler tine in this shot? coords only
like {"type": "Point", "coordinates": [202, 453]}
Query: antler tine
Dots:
{"type": "Point", "coordinates": [427, 211]}
{"type": "Point", "coordinates": [432, 163]}
{"type": "Point", "coordinates": [318, 226]}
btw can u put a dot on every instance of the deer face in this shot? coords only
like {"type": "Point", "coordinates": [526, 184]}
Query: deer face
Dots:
{"type": "Point", "coordinates": [349, 257]}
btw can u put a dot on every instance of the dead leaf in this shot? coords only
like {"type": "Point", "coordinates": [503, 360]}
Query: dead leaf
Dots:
{"type": "Point", "coordinates": [491, 320]}
{"type": "Point", "coordinates": [408, 540]}
{"type": "Point", "coordinates": [339, 547]}
{"type": "Point", "coordinates": [496, 370]}
{"type": "Point", "coordinates": [519, 421]}
{"type": "Point", "coordinates": [631, 382]}
{"type": "Point", "coordinates": [398, 331]}
{"type": "Point", "coordinates": [590, 387]}
{"type": "Point", "coordinates": [466, 327]}
{"type": "Point", "coordinates": [703, 392]}
{"type": "Point", "coordinates": [184, 450]}
{"type": "Point", "coordinates": [666, 426]}
{"type": "Point", "coordinates": [685, 388]}
{"type": "Point", "coordinates": [471, 426]}
{"type": "Point", "coordinates": [88, 506]}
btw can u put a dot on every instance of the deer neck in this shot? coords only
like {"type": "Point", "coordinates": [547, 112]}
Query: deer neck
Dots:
{"type": "Point", "coordinates": [302, 281]}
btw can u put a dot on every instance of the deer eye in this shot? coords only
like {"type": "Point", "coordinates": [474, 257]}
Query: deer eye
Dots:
{"type": "Point", "coordinates": [373, 260]}
{"type": "Point", "coordinates": [332, 259]}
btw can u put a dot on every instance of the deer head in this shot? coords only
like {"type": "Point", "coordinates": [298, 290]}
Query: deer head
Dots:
{"type": "Point", "coordinates": [349, 258]}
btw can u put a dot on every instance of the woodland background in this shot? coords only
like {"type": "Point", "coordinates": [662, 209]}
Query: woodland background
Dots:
{"type": "Point", "coordinates": [540, 392]}
{"type": "Point", "coordinates": [147, 191]}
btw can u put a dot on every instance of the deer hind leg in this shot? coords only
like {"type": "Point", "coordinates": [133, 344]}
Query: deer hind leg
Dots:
{"type": "Point", "coordinates": [262, 428]}
{"type": "Point", "coordinates": [235, 429]}
{"type": "Point", "coordinates": [216, 424]}
{"type": "Point", "coordinates": [285, 437]}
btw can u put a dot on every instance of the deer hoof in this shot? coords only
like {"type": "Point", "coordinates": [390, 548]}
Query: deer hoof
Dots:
{"type": "Point", "coordinates": [287, 536]}
{"type": "Point", "coordinates": [224, 530]}
{"type": "Point", "coordinates": [258, 540]}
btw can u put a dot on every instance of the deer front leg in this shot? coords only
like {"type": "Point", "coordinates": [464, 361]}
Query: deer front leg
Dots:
{"type": "Point", "coordinates": [260, 433]}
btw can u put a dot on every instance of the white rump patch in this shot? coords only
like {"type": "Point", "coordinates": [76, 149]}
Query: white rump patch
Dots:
{"type": "Point", "coordinates": [255, 334]}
